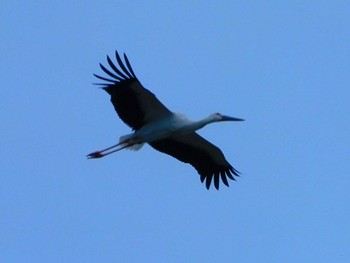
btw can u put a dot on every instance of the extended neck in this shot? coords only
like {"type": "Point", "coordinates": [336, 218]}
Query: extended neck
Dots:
{"type": "Point", "coordinates": [201, 123]}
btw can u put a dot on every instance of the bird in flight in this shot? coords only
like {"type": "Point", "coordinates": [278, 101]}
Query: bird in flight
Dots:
{"type": "Point", "coordinates": [153, 123]}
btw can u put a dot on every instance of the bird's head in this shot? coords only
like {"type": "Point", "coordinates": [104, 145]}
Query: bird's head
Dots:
{"type": "Point", "coordinates": [216, 117]}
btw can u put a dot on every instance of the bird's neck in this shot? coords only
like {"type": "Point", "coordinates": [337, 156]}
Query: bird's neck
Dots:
{"type": "Point", "coordinates": [201, 123]}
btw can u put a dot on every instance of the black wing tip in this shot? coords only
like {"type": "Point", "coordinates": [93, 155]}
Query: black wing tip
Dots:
{"type": "Point", "coordinates": [122, 66]}
{"type": "Point", "coordinates": [229, 172]}
{"type": "Point", "coordinates": [117, 75]}
{"type": "Point", "coordinates": [129, 66]}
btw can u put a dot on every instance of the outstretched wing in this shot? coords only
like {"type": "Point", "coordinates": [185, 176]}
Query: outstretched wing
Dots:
{"type": "Point", "coordinates": [206, 158]}
{"type": "Point", "coordinates": [134, 104]}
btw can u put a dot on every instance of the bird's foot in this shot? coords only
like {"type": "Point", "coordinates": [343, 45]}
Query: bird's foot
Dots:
{"type": "Point", "coordinates": [95, 155]}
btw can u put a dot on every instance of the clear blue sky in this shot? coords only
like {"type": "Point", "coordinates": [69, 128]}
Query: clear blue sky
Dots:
{"type": "Point", "coordinates": [282, 65]}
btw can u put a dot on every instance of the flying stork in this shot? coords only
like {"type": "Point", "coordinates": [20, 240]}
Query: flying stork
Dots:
{"type": "Point", "coordinates": [166, 131]}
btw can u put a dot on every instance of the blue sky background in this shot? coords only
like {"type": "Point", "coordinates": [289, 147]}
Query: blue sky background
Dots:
{"type": "Point", "coordinates": [281, 65]}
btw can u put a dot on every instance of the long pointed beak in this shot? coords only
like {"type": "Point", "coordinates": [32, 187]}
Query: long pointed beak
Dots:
{"type": "Point", "coordinates": [228, 118]}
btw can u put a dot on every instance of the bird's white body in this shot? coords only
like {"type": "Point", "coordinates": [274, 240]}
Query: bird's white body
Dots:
{"type": "Point", "coordinates": [176, 123]}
